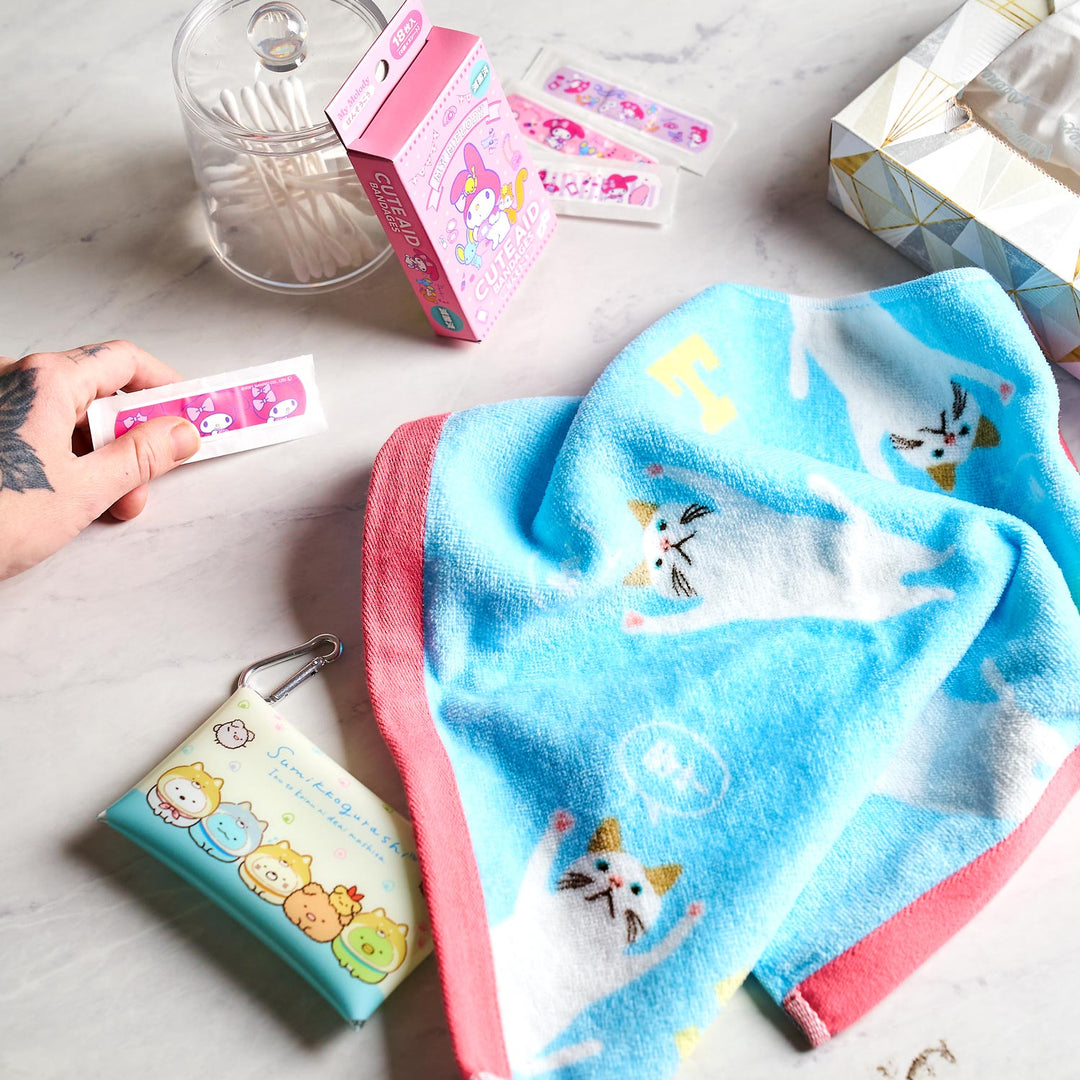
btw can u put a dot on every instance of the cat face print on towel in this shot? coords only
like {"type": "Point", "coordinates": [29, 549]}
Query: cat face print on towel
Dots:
{"type": "Point", "coordinates": [899, 392]}
{"type": "Point", "coordinates": [712, 554]}
{"type": "Point", "coordinates": [564, 949]}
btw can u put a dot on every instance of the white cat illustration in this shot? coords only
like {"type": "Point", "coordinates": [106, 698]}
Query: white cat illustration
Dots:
{"type": "Point", "coordinates": [732, 558]}
{"type": "Point", "coordinates": [897, 386]}
{"type": "Point", "coordinates": [560, 952]}
{"type": "Point", "coordinates": [991, 758]}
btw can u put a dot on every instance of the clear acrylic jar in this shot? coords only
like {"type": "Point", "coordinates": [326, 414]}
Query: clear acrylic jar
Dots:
{"type": "Point", "coordinates": [283, 206]}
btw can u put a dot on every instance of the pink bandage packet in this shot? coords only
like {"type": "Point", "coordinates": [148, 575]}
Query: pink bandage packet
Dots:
{"type": "Point", "coordinates": [591, 188]}
{"type": "Point", "coordinates": [236, 410]}
{"type": "Point", "coordinates": [554, 132]}
{"type": "Point", "coordinates": [591, 100]}
{"type": "Point", "coordinates": [431, 136]}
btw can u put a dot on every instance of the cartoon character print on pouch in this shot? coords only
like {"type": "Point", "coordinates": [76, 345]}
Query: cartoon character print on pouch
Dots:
{"type": "Point", "coordinates": [185, 794]}
{"type": "Point", "coordinates": [992, 758]}
{"type": "Point", "coordinates": [899, 392]}
{"type": "Point", "coordinates": [230, 832]}
{"type": "Point", "coordinates": [487, 206]}
{"type": "Point", "coordinates": [346, 902]}
{"type": "Point", "coordinates": [562, 951]}
{"type": "Point", "coordinates": [371, 946]}
{"type": "Point", "coordinates": [705, 553]}
{"type": "Point", "coordinates": [234, 735]}
{"type": "Point", "coordinates": [274, 871]}
{"type": "Point", "coordinates": [319, 914]}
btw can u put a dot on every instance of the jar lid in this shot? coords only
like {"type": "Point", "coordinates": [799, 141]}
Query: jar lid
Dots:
{"type": "Point", "coordinates": [258, 70]}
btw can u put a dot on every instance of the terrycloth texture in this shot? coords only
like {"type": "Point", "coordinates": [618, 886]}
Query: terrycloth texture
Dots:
{"type": "Point", "coordinates": [764, 655]}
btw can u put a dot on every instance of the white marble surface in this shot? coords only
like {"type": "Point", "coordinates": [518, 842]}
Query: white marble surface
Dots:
{"type": "Point", "coordinates": [115, 648]}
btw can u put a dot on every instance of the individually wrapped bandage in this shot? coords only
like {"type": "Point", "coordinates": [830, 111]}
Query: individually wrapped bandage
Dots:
{"type": "Point", "coordinates": [556, 133]}
{"type": "Point", "coordinates": [237, 410]}
{"type": "Point", "coordinates": [688, 138]}
{"type": "Point", "coordinates": [644, 192]}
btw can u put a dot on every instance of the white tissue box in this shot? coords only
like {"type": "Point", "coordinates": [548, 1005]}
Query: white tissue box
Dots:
{"type": "Point", "coordinates": [906, 163]}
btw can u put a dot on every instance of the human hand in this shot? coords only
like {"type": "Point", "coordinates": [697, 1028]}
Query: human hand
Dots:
{"type": "Point", "coordinates": [51, 485]}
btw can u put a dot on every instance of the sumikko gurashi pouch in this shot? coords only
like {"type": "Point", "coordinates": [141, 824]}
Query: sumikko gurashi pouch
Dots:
{"type": "Point", "coordinates": [253, 814]}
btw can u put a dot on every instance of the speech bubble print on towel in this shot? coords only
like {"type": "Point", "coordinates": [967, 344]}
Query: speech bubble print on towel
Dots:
{"type": "Point", "coordinates": [673, 770]}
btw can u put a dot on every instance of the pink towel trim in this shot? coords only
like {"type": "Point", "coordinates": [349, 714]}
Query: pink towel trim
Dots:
{"type": "Point", "coordinates": [797, 1008]}
{"type": "Point", "coordinates": [835, 996]}
{"type": "Point", "coordinates": [393, 620]}
{"type": "Point", "coordinates": [1068, 452]}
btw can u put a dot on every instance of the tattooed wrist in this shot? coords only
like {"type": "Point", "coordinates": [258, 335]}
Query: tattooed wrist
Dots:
{"type": "Point", "coordinates": [20, 468]}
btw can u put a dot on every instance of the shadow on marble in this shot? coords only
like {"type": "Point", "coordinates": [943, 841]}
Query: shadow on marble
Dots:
{"type": "Point", "coordinates": [325, 594]}
{"type": "Point", "coordinates": [411, 1021]}
{"type": "Point", "coordinates": [775, 1015]}
{"type": "Point", "coordinates": [128, 230]}
{"type": "Point", "coordinates": [182, 910]}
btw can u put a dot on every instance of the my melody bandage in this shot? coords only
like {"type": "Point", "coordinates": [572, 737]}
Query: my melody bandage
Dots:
{"type": "Point", "coordinates": [763, 656]}
{"type": "Point", "coordinates": [236, 410]}
{"type": "Point", "coordinates": [585, 98]}
{"type": "Point", "coordinates": [644, 193]}
{"type": "Point", "coordinates": [553, 132]}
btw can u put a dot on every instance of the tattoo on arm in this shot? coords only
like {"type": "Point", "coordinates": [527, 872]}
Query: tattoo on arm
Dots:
{"type": "Point", "coordinates": [20, 468]}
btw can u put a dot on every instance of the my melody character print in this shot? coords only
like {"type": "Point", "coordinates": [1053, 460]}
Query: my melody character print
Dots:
{"type": "Point", "coordinates": [488, 207]}
{"type": "Point", "coordinates": [762, 656]}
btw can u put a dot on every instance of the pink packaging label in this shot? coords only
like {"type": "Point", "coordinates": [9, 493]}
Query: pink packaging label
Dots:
{"type": "Point", "coordinates": [446, 169]}
{"type": "Point", "coordinates": [237, 407]}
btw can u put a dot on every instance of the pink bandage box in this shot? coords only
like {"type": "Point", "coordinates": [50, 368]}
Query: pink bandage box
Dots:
{"type": "Point", "coordinates": [428, 130]}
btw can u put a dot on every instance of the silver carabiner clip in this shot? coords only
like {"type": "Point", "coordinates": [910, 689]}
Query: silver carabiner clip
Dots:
{"type": "Point", "coordinates": [313, 666]}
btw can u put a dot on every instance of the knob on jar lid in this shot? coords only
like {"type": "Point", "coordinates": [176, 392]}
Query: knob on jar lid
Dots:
{"type": "Point", "coordinates": [278, 32]}
{"type": "Point", "coordinates": [226, 45]}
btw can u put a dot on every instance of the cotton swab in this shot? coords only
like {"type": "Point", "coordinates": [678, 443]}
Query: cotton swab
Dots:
{"type": "Point", "coordinates": [296, 259]}
{"type": "Point", "coordinates": [320, 213]}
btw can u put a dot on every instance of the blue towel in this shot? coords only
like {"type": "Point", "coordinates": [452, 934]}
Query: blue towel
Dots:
{"type": "Point", "coordinates": [763, 656]}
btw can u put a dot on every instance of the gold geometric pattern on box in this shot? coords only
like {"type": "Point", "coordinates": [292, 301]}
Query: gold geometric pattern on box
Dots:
{"type": "Point", "coordinates": [948, 195]}
{"type": "Point", "coordinates": [1023, 16]}
{"type": "Point", "coordinates": [891, 202]}
{"type": "Point", "coordinates": [936, 234]}
{"type": "Point", "coordinates": [931, 98]}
